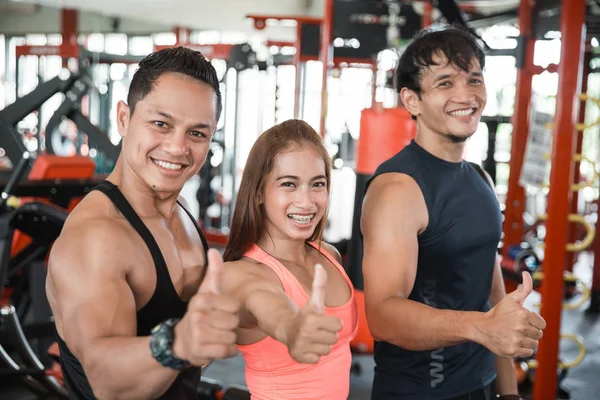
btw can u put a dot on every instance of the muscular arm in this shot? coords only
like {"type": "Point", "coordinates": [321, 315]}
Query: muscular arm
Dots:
{"type": "Point", "coordinates": [95, 313]}
{"type": "Point", "coordinates": [264, 303]}
{"type": "Point", "coordinates": [394, 213]}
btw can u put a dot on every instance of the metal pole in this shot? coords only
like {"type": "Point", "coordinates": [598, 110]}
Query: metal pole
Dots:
{"type": "Point", "coordinates": [595, 295]}
{"type": "Point", "coordinates": [515, 197]}
{"type": "Point", "coordinates": [574, 229]}
{"type": "Point", "coordinates": [426, 18]}
{"type": "Point", "coordinates": [326, 56]}
{"type": "Point", "coordinates": [572, 27]}
{"type": "Point", "coordinates": [298, 73]}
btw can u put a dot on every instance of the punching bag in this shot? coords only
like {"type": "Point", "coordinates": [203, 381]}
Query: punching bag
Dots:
{"type": "Point", "coordinates": [383, 133]}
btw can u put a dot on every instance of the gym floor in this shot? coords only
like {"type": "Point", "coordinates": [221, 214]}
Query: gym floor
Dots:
{"type": "Point", "coordinates": [581, 381]}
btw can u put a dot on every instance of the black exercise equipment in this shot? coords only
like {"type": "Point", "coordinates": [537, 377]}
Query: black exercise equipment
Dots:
{"type": "Point", "coordinates": [242, 57]}
{"type": "Point", "coordinates": [209, 389]}
{"type": "Point", "coordinates": [10, 139]}
{"type": "Point", "coordinates": [212, 389]}
{"type": "Point", "coordinates": [57, 191]}
{"type": "Point", "coordinates": [235, 392]}
{"type": "Point", "coordinates": [43, 222]}
{"type": "Point", "coordinates": [70, 108]}
{"type": "Point", "coordinates": [74, 87]}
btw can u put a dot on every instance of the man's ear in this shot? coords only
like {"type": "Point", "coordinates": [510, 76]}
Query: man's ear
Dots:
{"type": "Point", "coordinates": [123, 116]}
{"type": "Point", "coordinates": [411, 101]}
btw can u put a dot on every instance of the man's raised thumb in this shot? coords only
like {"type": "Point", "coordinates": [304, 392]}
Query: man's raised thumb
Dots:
{"type": "Point", "coordinates": [524, 290]}
{"type": "Point", "coordinates": [212, 278]}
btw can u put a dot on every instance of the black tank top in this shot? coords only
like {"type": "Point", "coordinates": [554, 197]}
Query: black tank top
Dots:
{"type": "Point", "coordinates": [165, 303]}
{"type": "Point", "coordinates": [455, 267]}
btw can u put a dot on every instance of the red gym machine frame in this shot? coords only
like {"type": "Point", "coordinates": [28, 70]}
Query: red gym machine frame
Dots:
{"type": "Point", "coordinates": [562, 174]}
{"type": "Point", "coordinates": [325, 54]}
{"type": "Point", "coordinates": [213, 51]}
{"type": "Point", "coordinates": [572, 27]}
{"type": "Point", "coordinates": [566, 140]}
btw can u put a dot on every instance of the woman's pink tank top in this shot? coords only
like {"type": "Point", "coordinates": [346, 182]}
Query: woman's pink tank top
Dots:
{"type": "Point", "coordinates": [271, 373]}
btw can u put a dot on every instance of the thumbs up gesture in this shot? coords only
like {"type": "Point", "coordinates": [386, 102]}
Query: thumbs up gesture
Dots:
{"type": "Point", "coordinates": [310, 333]}
{"type": "Point", "coordinates": [510, 329]}
{"type": "Point", "coordinates": [208, 329]}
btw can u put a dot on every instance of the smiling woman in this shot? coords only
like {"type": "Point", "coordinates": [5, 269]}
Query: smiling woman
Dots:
{"type": "Point", "coordinates": [298, 306]}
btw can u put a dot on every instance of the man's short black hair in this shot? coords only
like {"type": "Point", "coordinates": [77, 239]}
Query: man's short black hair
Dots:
{"type": "Point", "coordinates": [456, 44]}
{"type": "Point", "coordinates": [178, 60]}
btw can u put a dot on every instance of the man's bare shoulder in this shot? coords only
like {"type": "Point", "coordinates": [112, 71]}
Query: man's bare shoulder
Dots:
{"type": "Point", "coordinates": [393, 184]}
{"type": "Point", "coordinates": [93, 234]}
{"type": "Point", "coordinates": [394, 197]}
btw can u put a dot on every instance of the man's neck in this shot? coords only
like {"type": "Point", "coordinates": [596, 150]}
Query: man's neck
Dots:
{"type": "Point", "coordinates": [440, 146]}
{"type": "Point", "coordinates": [145, 201]}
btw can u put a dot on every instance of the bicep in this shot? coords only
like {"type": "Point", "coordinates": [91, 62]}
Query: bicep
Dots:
{"type": "Point", "coordinates": [90, 297]}
{"type": "Point", "coordinates": [393, 214]}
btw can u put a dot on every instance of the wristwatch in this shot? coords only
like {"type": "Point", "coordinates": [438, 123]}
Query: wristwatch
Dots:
{"type": "Point", "coordinates": [161, 345]}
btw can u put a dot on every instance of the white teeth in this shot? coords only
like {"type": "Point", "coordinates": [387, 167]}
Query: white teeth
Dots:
{"type": "Point", "coordinates": [167, 165]}
{"type": "Point", "coordinates": [301, 219]}
{"type": "Point", "coordinates": [462, 113]}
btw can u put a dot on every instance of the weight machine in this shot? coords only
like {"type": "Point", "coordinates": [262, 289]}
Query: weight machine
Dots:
{"type": "Point", "coordinates": [73, 87]}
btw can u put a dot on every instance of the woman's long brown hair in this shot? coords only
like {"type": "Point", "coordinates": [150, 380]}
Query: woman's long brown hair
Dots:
{"type": "Point", "coordinates": [248, 222]}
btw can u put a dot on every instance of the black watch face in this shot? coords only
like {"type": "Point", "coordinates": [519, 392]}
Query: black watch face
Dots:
{"type": "Point", "coordinates": [163, 342]}
{"type": "Point", "coordinates": [161, 345]}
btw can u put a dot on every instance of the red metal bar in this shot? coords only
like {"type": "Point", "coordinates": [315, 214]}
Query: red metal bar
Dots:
{"type": "Point", "coordinates": [182, 34]}
{"type": "Point", "coordinates": [260, 23]}
{"type": "Point", "coordinates": [572, 20]}
{"type": "Point", "coordinates": [43, 51]}
{"type": "Point", "coordinates": [69, 25]}
{"type": "Point", "coordinates": [596, 247]}
{"type": "Point", "coordinates": [426, 18]}
{"type": "Point", "coordinates": [326, 54]}
{"type": "Point", "coordinates": [515, 198]}
{"type": "Point", "coordinates": [297, 18]}
{"type": "Point", "coordinates": [342, 62]}
{"type": "Point", "coordinates": [215, 237]}
{"type": "Point", "coordinates": [538, 69]}
{"type": "Point", "coordinates": [595, 304]}
{"type": "Point", "coordinates": [218, 51]}
{"type": "Point", "coordinates": [575, 229]}
{"type": "Point", "coordinates": [280, 43]}
{"type": "Point", "coordinates": [69, 47]}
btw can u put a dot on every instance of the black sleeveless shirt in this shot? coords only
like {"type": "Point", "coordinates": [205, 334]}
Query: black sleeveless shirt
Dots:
{"type": "Point", "coordinates": [165, 303]}
{"type": "Point", "coordinates": [455, 268]}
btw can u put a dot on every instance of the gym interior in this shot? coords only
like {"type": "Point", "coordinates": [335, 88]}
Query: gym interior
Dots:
{"type": "Point", "coordinates": [64, 66]}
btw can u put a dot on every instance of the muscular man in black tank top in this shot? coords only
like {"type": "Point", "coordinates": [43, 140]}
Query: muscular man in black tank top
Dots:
{"type": "Point", "coordinates": [435, 299]}
{"type": "Point", "coordinates": [132, 284]}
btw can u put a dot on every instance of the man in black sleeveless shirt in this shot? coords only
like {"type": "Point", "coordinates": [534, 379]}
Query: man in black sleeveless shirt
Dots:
{"type": "Point", "coordinates": [435, 300]}
{"type": "Point", "coordinates": [134, 290]}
